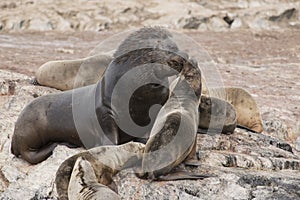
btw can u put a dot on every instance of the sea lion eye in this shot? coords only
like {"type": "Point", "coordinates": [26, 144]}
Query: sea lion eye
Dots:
{"type": "Point", "coordinates": [155, 85]}
{"type": "Point", "coordinates": [173, 62]}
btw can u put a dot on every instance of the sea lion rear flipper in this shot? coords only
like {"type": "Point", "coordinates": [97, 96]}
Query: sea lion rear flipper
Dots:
{"type": "Point", "coordinates": [183, 175]}
{"type": "Point", "coordinates": [39, 155]}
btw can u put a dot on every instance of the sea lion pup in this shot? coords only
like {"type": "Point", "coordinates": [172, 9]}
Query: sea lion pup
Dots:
{"type": "Point", "coordinates": [105, 161]}
{"type": "Point", "coordinates": [247, 111]}
{"type": "Point", "coordinates": [49, 119]}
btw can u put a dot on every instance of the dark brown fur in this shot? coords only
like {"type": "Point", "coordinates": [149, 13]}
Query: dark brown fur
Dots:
{"type": "Point", "coordinates": [48, 120]}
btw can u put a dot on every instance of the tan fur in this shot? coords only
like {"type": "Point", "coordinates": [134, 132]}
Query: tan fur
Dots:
{"type": "Point", "coordinates": [69, 74]}
{"type": "Point", "coordinates": [247, 111]}
{"type": "Point", "coordinates": [106, 161]}
{"type": "Point", "coordinates": [84, 184]}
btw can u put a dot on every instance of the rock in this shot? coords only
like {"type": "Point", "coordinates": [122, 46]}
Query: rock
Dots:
{"type": "Point", "coordinates": [7, 87]}
{"type": "Point", "coordinates": [286, 15]}
{"type": "Point", "coordinates": [217, 23]}
{"type": "Point", "coordinates": [14, 24]}
{"type": "Point", "coordinates": [243, 165]}
{"type": "Point", "coordinates": [211, 23]}
{"type": "Point", "coordinates": [276, 128]}
{"type": "Point", "coordinates": [40, 24]}
{"type": "Point", "coordinates": [10, 5]}
{"type": "Point", "coordinates": [237, 23]}
{"type": "Point", "coordinates": [63, 24]}
{"type": "Point", "coordinates": [192, 22]}
{"type": "Point", "coordinates": [258, 23]}
{"type": "Point", "coordinates": [297, 146]}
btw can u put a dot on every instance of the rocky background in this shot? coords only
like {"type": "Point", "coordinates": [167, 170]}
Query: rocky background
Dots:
{"type": "Point", "coordinates": [255, 44]}
{"type": "Point", "coordinates": [92, 15]}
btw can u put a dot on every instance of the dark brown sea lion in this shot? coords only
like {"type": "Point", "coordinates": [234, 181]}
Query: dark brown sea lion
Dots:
{"type": "Point", "coordinates": [49, 120]}
{"type": "Point", "coordinates": [216, 115]}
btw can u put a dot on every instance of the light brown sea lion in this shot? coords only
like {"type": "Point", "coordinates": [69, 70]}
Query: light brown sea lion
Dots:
{"type": "Point", "coordinates": [89, 174]}
{"type": "Point", "coordinates": [68, 74]}
{"type": "Point", "coordinates": [84, 184]}
{"type": "Point", "coordinates": [247, 111]}
{"type": "Point", "coordinates": [105, 161]}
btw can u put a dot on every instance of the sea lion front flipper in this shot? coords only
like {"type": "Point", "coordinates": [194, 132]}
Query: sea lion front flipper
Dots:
{"type": "Point", "coordinates": [174, 132]}
{"type": "Point", "coordinates": [84, 183]}
{"type": "Point", "coordinates": [183, 175]}
{"type": "Point", "coordinates": [192, 162]}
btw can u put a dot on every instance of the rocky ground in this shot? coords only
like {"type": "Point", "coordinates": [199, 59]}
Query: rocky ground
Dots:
{"type": "Point", "coordinates": [258, 50]}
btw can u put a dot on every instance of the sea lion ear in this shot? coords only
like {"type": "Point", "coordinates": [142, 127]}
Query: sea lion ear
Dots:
{"type": "Point", "coordinates": [194, 62]}
{"type": "Point", "coordinates": [183, 55]}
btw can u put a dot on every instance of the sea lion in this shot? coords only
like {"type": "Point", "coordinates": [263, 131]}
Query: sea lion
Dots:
{"type": "Point", "coordinates": [173, 136]}
{"type": "Point", "coordinates": [106, 161]}
{"type": "Point", "coordinates": [68, 74]}
{"type": "Point", "coordinates": [49, 119]}
{"type": "Point", "coordinates": [247, 111]}
{"type": "Point", "coordinates": [84, 184]}
{"type": "Point", "coordinates": [224, 118]}
{"type": "Point", "coordinates": [89, 174]}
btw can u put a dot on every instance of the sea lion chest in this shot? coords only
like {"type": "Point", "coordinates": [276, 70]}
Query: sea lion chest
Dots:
{"type": "Point", "coordinates": [129, 93]}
